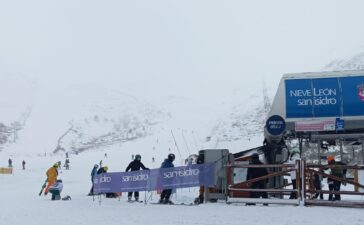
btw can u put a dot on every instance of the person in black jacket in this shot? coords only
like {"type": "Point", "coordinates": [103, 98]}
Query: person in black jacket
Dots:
{"type": "Point", "coordinates": [255, 173]}
{"type": "Point", "coordinates": [200, 199]}
{"type": "Point", "coordinates": [103, 169]}
{"type": "Point", "coordinates": [166, 193]}
{"type": "Point", "coordinates": [135, 165]}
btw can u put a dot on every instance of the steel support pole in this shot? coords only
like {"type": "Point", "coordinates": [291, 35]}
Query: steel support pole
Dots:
{"type": "Point", "coordinates": [341, 150]}
{"type": "Point", "coordinates": [319, 151]}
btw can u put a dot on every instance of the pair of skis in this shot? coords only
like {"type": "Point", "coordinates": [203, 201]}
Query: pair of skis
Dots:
{"type": "Point", "coordinates": [43, 186]}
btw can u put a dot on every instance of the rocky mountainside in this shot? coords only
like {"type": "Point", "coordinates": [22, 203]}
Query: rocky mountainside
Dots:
{"type": "Point", "coordinates": [353, 63]}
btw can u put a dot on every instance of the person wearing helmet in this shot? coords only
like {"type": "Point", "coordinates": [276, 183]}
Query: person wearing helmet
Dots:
{"type": "Point", "coordinates": [166, 193]}
{"type": "Point", "coordinates": [93, 174]}
{"type": "Point", "coordinates": [52, 174]}
{"type": "Point", "coordinates": [135, 165]}
{"type": "Point", "coordinates": [200, 199]}
{"type": "Point", "coordinates": [256, 173]}
{"type": "Point", "coordinates": [103, 169]}
{"type": "Point", "coordinates": [339, 172]}
{"type": "Point", "coordinates": [56, 190]}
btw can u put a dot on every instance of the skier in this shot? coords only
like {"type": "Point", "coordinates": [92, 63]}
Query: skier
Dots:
{"type": "Point", "coordinates": [10, 162]}
{"type": "Point", "coordinates": [166, 193]}
{"type": "Point", "coordinates": [255, 173]}
{"type": "Point", "coordinates": [135, 165]}
{"type": "Point", "coordinates": [100, 163]}
{"type": "Point", "coordinates": [93, 174]}
{"type": "Point", "coordinates": [108, 194]}
{"type": "Point", "coordinates": [334, 185]}
{"type": "Point", "coordinates": [200, 198]}
{"type": "Point", "coordinates": [102, 170]}
{"type": "Point", "coordinates": [52, 174]}
{"type": "Point", "coordinates": [59, 165]}
{"type": "Point", "coordinates": [23, 164]}
{"type": "Point", "coordinates": [67, 164]}
{"type": "Point", "coordinates": [56, 190]}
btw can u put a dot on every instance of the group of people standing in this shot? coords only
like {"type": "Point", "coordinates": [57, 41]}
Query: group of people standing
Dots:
{"type": "Point", "coordinates": [136, 165]}
{"type": "Point", "coordinates": [336, 170]}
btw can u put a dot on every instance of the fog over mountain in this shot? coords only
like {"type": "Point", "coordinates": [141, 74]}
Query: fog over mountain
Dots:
{"type": "Point", "coordinates": [198, 66]}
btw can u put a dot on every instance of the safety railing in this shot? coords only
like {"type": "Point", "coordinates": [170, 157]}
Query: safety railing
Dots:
{"type": "Point", "coordinates": [242, 191]}
{"type": "Point", "coordinates": [313, 172]}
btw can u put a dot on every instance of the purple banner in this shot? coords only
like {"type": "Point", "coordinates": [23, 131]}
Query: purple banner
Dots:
{"type": "Point", "coordinates": [148, 180]}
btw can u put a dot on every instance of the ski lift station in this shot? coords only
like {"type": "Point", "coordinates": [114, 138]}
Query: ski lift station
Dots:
{"type": "Point", "coordinates": [326, 108]}
{"type": "Point", "coordinates": [323, 113]}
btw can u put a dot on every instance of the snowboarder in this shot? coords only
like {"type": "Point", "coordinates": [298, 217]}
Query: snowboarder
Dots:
{"type": "Point", "coordinates": [56, 190]}
{"type": "Point", "coordinates": [93, 174]}
{"type": "Point", "coordinates": [52, 174]}
{"type": "Point", "coordinates": [23, 164]}
{"type": "Point", "coordinates": [166, 193]}
{"type": "Point", "coordinates": [135, 165]}
{"type": "Point", "coordinates": [255, 173]}
{"type": "Point", "coordinates": [10, 162]}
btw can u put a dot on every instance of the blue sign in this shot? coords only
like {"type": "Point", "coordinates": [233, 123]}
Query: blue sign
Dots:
{"type": "Point", "coordinates": [340, 124]}
{"type": "Point", "coordinates": [275, 125]}
{"type": "Point", "coordinates": [147, 180]}
{"type": "Point", "coordinates": [325, 97]}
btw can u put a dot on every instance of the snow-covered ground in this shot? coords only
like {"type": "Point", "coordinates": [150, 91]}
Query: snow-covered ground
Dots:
{"type": "Point", "coordinates": [195, 125]}
{"type": "Point", "coordinates": [20, 203]}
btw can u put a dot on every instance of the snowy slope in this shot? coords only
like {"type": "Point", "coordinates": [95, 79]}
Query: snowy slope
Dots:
{"type": "Point", "coordinates": [21, 204]}
{"type": "Point", "coordinates": [355, 62]}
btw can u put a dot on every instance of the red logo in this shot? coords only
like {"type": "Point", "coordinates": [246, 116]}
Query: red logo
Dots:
{"type": "Point", "coordinates": [361, 92]}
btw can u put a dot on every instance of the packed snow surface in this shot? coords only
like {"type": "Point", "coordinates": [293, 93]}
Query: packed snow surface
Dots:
{"type": "Point", "coordinates": [20, 203]}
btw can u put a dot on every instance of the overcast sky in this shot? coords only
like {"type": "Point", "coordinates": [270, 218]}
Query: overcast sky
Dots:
{"type": "Point", "coordinates": [171, 47]}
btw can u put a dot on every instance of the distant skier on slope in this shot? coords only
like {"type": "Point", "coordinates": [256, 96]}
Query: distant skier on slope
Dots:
{"type": "Point", "coordinates": [166, 193]}
{"type": "Point", "coordinates": [67, 164]}
{"type": "Point", "coordinates": [135, 165]}
{"type": "Point", "coordinates": [23, 164]}
{"type": "Point", "coordinates": [52, 174]}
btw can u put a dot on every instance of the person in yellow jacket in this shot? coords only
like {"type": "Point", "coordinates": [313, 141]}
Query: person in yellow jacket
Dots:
{"type": "Point", "coordinates": [52, 174]}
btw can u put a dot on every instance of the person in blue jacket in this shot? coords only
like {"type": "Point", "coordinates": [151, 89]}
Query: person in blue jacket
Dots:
{"type": "Point", "coordinates": [166, 193]}
{"type": "Point", "coordinates": [93, 174]}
